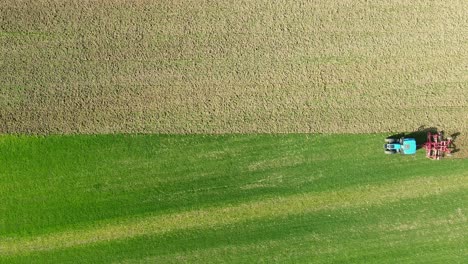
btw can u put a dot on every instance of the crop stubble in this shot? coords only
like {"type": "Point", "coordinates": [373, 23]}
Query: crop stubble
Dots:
{"type": "Point", "coordinates": [233, 67]}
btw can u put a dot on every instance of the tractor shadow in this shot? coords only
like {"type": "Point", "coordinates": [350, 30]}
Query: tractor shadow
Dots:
{"type": "Point", "coordinates": [454, 138]}
{"type": "Point", "coordinates": [420, 135]}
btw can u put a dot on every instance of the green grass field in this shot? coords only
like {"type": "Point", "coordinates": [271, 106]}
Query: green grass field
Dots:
{"type": "Point", "coordinates": [227, 198]}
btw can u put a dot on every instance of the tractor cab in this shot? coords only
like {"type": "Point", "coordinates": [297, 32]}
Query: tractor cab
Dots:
{"type": "Point", "coordinates": [405, 146]}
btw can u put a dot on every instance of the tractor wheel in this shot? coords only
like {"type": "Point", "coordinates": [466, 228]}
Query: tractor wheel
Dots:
{"type": "Point", "coordinates": [390, 152]}
{"type": "Point", "coordinates": [390, 140]}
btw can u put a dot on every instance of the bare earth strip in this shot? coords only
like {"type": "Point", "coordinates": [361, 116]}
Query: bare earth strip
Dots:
{"type": "Point", "coordinates": [215, 217]}
{"type": "Point", "coordinates": [233, 66]}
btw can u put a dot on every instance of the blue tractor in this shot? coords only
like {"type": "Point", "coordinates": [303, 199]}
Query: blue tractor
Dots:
{"type": "Point", "coordinates": [405, 146]}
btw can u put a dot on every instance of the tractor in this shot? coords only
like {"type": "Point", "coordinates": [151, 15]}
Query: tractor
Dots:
{"type": "Point", "coordinates": [403, 145]}
{"type": "Point", "coordinates": [437, 146]}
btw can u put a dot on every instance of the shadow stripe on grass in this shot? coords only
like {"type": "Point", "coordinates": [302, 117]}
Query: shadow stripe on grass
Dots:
{"type": "Point", "coordinates": [213, 217]}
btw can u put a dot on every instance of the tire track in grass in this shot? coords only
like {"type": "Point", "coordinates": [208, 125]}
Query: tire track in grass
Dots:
{"type": "Point", "coordinates": [363, 196]}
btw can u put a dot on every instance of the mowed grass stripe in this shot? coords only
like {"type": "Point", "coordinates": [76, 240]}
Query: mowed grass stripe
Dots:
{"type": "Point", "coordinates": [303, 248]}
{"type": "Point", "coordinates": [214, 217]}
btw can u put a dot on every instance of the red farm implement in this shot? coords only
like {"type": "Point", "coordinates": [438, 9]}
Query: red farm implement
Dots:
{"type": "Point", "coordinates": [436, 146]}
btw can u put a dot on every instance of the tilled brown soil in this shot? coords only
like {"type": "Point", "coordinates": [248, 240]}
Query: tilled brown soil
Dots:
{"type": "Point", "coordinates": [233, 66]}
